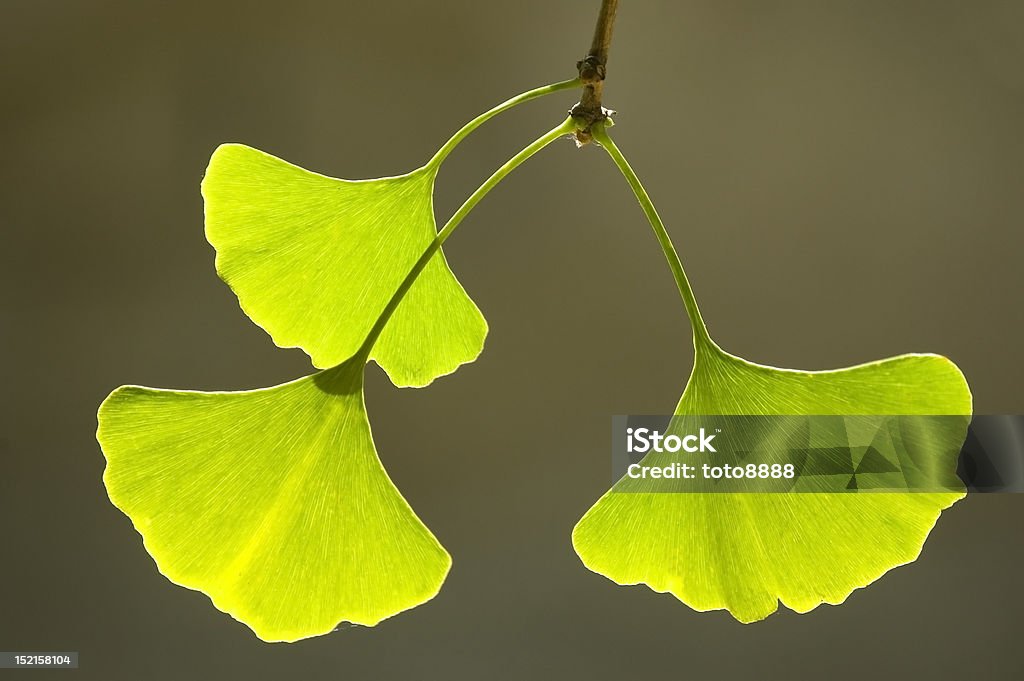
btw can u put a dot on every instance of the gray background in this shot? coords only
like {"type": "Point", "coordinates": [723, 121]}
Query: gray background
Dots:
{"type": "Point", "coordinates": [843, 181]}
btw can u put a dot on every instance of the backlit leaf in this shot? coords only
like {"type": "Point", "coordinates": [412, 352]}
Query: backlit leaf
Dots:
{"type": "Point", "coordinates": [273, 502]}
{"type": "Point", "coordinates": [314, 261]}
{"type": "Point", "coordinates": [747, 552]}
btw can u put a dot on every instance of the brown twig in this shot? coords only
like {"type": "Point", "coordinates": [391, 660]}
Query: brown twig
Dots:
{"type": "Point", "coordinates": [592, 70]}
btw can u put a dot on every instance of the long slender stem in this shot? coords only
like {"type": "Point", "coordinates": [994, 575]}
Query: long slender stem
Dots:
{"type": "Point", "coordinates": [565, 128]}
{"type": "Point", "coordinates": [465, 130]}
{"type": "Point", "coordinates": [700, 331]}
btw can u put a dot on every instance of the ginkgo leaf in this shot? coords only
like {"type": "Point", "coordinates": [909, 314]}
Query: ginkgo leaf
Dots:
{"type": "Point", "coordinates": [314, 260]}
{"type": "Point", "coordinates": [273, 502]}
{"type": "Point", "coordinates": [747, 552]}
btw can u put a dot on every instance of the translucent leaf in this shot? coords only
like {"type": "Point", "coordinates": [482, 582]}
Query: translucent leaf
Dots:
{"type": "Point", "coordinates": [747, 552]}
{"type": "Point", "coordinates": [273, 502]}
{"type": "Point", "coordinates": [314, 261]}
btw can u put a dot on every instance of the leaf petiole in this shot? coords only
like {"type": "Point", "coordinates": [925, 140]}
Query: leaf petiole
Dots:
{"type": "Point", "coordinates": [700, 331]}
{"type": "Point", "coordinates": [469, 127]}
{"type": "Point", "coordinates": [566, 128]}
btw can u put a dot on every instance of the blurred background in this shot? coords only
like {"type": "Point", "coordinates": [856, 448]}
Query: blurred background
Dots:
{"type": "Point", "coordinates": [843, 180]}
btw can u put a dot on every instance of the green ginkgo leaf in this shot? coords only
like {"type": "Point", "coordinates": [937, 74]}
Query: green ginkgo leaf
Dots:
{"type": "Point", "coordinates": [747, 552]}
{"type": "Point", "coordinates": [273, 502]}
{"type": "Point", "coordinates": [314, 260]}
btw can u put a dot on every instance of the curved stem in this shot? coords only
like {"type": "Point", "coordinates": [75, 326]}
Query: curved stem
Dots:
{"type": "Point", "coordinates": [463, 132]}
{"type": "Point", "coordinates": [700, 331]}
{"type": "Point", "coordinates": [565, 128]}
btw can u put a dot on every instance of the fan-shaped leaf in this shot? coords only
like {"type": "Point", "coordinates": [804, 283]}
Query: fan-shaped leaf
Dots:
{"type": "Point", "coordinates": [747, 552]}
{"type": "Point", "coordinates": [273, 502]}
{"type": "Point", "coordinates": [314, 261]}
